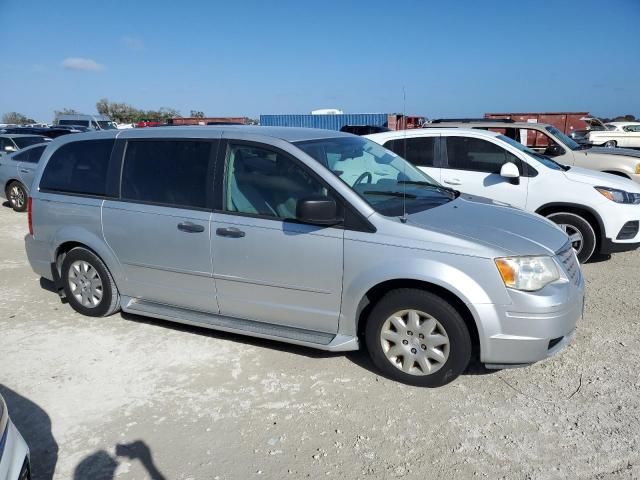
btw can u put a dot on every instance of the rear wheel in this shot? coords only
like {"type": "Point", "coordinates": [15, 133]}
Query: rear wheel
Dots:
{"type": "Point", "coordinates": [611, 144]}
{"type": "Point", "coordinates": [17, 196]}
{"type": "Point", "coordinates": [88, 285]}
{"type": "Point", "coordinates": [418, 338]}
{"type": "Point", "coordinates": [580, 232]}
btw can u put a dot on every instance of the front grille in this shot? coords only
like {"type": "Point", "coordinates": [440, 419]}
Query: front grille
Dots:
{"type": "Point", "coordinates": [629, 230]}
{"type": "Point", "coordinates": [568, 260]}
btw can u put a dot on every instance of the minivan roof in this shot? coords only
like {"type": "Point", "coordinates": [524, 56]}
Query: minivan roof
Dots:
{"type": "Point", "coordinates": [288, 134]}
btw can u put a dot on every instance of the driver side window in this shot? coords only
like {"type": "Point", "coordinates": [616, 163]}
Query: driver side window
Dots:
{"type": "Point", "coordinates": [260, 181]}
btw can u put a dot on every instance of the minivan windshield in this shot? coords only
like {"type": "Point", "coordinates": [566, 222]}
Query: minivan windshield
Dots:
{"type": "Point", "coordinates": [568, 141]}
{"type": "Point", "coordinates": [543, 159]}
{"type": "Point", "coordinates": [106, 125]}
{"type": "Point", "coordinates": [387, 182]}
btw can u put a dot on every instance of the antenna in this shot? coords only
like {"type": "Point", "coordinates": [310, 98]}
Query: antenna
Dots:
{"type": "Point", "coordinates": [403, 218]}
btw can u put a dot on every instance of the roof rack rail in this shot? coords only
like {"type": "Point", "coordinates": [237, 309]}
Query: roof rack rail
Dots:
{"type": "Point", "coordinates": [472, 120]}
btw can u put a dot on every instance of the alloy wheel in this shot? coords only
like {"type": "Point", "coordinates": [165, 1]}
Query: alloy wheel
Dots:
{"type": "Point", "coordinates": [85, 284]}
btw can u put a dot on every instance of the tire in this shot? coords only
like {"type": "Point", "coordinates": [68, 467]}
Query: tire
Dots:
{"type": "Point", "coordinates": [611, 144]}
{"type": "Point", "coordinates": [580, 232]}
{"type": "Point", "coordinates": [400, 358]}
{"type": "Point", "coordinates": [81, 264]}
{"type": "Point", "coordinates": [17, 196]}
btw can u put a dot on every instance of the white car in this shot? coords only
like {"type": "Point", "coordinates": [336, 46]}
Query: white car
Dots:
{"type": "Point", "coordinates": [600, 212]}
{"type": "Point", "coordinates": [14, 453]}
{"type": "Point", "coordinates": [616, 134]}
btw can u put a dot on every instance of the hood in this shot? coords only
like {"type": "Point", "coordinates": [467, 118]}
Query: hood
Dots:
{"type": "Point", "coordinates": [625, 152]}
{"type": "Point", "coordinates": [593, 122]}
{"type": "Point", "coordinates": [601, 179]}
{"type": "Point", "coordinates": [507, 229]}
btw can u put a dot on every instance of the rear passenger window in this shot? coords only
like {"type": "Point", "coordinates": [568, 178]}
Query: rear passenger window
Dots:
{"type": "Point", "coordinates": [168, 172]}
{"type": "Point", "coordinates": [30, 156]}
{"type": "Point", "coordinates": [419, 151]}
{"type": "Point", "coordinates": [79, 167]}
{"type": "Point", "coordinates": [477, 155]}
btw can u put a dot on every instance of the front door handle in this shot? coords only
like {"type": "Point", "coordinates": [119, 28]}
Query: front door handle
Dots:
{"type": "Point", "coordinates": [453, 181]}
{"type": "Point", "coordinates": [230, 232]}
{"type": "Point", "coordinates": [22, 170]}
{"type": "Point", "coordinates": [190, 227]}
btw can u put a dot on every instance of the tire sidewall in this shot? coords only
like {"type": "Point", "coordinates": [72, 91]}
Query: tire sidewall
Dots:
{"type": "Point", "coordinates": [587, 231]}
{"type": "Point", "coordinates": [107, 296]}
{"type": "Point", "coordinates": [449, 318]}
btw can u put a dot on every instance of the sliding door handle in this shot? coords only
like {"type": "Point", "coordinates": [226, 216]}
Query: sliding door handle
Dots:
{"type": "Point", "coordinates": [231, 232]}
{"type": "Point", "coordinates": [190, 227]}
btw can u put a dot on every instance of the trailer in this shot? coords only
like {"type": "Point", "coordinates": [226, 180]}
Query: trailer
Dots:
{"type": "Point", "coordinates": [393, 121]}
{"type": "Point", "coordinates": [566, 122]}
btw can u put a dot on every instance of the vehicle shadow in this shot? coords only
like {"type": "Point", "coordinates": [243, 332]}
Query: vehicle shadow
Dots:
{"type": "Point", "coordinates": [359, 357]}
{"type": "Point", "coordinates": [100, 465]}
{"type": "Point", "coordinates": [6, 204]}
{"type": "Point", "coordinates": [35, 426]}
{"type": "Point", "coordinates": [599, 258]}
{"type": "Point", "coordinates": [235, 337]}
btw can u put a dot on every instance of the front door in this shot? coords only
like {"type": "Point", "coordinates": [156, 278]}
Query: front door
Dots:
{"type": "Point", "coordinates": [473, 166]}
{"type": "Point", "coordinates": [268, 267]}
{"type": "Point", "coordinates": [160, 227]}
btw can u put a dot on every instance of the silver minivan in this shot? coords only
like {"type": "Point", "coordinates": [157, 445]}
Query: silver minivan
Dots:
{"type": "Point", "coordinates": [311, 237]}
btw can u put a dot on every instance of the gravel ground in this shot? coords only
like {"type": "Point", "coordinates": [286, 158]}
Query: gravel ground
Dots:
{"type": "Point", "coordinates": [128, 397]}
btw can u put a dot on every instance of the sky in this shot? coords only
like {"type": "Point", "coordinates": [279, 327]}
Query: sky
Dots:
{"type": "Point", "coordinates": [246, 58]}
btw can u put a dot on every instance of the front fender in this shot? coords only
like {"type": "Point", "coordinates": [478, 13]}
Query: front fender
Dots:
{"type": "Point", "coordinates": [473, 280]}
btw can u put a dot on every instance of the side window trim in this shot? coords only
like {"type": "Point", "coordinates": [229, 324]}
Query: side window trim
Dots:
{"type": "Point", "coordinates": [357, 223]}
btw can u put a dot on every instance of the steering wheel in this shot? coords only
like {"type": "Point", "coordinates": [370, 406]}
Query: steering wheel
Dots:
{"type": "Point", "coordinates": [361, 178]}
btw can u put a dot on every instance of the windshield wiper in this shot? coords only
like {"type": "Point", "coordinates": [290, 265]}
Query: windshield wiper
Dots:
{"type": "Point", "coordinates": [429, 184]}
{"type": "Point", "coordinates": [390, 194]}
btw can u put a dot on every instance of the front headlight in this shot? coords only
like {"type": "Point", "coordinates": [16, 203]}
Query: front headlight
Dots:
{"type": "Point", "coordinates": [618, 196]}
{"type": "Point", "coordinates": [527, 273]}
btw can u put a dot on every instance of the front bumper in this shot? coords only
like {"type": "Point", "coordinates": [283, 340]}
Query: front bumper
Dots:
{"type": "Point", "coordinates": [534, 327]}
{"type": "Point", "coordinates": [15, 457]}
{"type": "Point", "coordinates": [614, 218]}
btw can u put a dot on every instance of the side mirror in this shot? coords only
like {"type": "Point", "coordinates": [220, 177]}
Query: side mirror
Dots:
{"type": "Point", "coordinates": [317, 210]}
{"type": "Point", "coordinates": [509, 170]}
{"type": "Point", "coordinates": [554, 151]}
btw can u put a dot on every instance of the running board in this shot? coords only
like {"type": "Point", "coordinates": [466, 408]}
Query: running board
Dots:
{"type": "Point", "coordinates": [298, 336]}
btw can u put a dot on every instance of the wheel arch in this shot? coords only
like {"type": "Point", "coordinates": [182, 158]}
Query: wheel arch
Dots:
{"type": "Point", "coordinates": [94, 245]}
{"type": "Point", "coordinates": [376, 292]}
{"type": "Point", "coordinates": [588, 213]}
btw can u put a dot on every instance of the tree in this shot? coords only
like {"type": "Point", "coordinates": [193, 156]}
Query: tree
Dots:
{"type": "Point", "coordinates": [64, 111]}
{"type": "Point", "coordinates": [196, 114]}
{"type": "Point", "coordinates": [16, 118]}
{"type": "Point", "coordinates": [125, 113]}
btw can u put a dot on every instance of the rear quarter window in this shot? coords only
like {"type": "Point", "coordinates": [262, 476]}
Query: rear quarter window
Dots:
{"type": "Point", "coordinates": [79, 167]}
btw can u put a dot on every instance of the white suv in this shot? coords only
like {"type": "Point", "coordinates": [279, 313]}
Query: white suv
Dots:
{"type": "Point", "coordinates": [600, 212]}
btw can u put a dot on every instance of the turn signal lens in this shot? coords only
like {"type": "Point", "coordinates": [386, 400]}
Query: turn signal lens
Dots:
{"type": "Point", "coordinates": [638, 168]}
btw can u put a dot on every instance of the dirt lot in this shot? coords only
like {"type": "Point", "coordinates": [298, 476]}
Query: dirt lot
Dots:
{"type": "Point", "coordinates": [129, 397]}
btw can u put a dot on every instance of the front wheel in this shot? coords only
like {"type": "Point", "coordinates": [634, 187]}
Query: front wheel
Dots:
{"type": "Point", "coordinates": [17, 196]}
{"type": "Point", "coordinates": [611, 144]}
{"type": "Point", "coordinates": [580, 232]}
{"type": "Point", "coordinates": [418, 338]}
